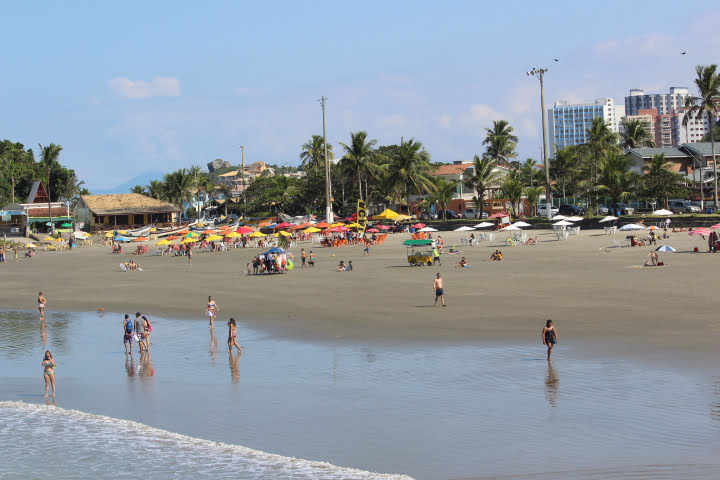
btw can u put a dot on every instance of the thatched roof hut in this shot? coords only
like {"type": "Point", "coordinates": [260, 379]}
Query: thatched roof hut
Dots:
{"type": "Point", "coordinates": [123, 209]}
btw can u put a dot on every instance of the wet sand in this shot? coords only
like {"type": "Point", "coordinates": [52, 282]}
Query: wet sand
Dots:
{"type": "Point", "coordinates": [596, 293]}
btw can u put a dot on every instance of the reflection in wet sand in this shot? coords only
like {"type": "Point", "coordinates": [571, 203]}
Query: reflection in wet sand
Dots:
{"type": "Point", "coordinates": [715, 406]}
{"type": "Point", "coordinates": [130, 365]}
{"type": "Point", "coordinates": [43, 333]}
{"type": "Point", "coordinates": [213, 347]}
{"type": "Point", "coordinates": [551, 385]}
{"type": "Point", "coordinates": [234, 367]}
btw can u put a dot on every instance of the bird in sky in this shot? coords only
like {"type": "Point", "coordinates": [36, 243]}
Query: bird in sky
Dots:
{"type": "Point", "coordinates": [557, 60]}
{"type": "Point", "coordinates": [683, 53]}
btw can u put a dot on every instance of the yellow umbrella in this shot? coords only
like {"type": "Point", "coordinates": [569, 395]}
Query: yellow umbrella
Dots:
{"type": "Point", "coordinates": [164, 242]}
{"type": "Point", "coordinates": [190, 240]}
{"type": "Point", "coordinates": [58, 239]}
{"type": "Point", "coordinates": [32, 245]}
{"type": "Point", "coordinates": [352, 225]}
{"type": "Point", "coordinates": [49, 239]}
{"type": "Point", "coordinates": [257, 234]}
{"type": "Point", "coordinates": [311, 230]}
{"type": "Point", "coordinates": [387, 214]}
{"type": "Point", "coordinates": [214, 238]}
{"type": "Point", "coordinates": [233, 235]}
{"type": "Point", "coordinates": [109, 235]}
{"type": "Point", "coordinates": [284, 233]}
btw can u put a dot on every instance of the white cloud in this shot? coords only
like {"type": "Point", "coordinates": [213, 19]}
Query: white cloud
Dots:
{"type": "Point", "coordinates": [637, 47]}
{"type": "Point", "coordinates": [445, 120]}
{"type": "Point", "coordinates": [392, 121]}
{"type": "Point", "coordinates": [157, 87]}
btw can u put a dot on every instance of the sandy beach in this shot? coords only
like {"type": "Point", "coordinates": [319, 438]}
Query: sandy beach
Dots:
{"type": "Point", "coordinates": [595, 292]}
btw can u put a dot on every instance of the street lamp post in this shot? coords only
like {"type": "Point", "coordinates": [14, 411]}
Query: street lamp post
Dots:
{"type": "Point", "coordinates": [539, 72]}
{"type": "Point", "coordinates": [242, 177]}
{"type": "Point", "coordinates": [329, 217]}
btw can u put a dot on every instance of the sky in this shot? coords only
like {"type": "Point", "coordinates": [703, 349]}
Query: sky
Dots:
{"type": "Point", "coordinates": [135, 86]}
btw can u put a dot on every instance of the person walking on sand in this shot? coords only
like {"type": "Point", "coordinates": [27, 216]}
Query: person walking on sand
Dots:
{"type": "Point", "coordinates": [232, 336]}
{"type": "Point", "coordinates": [41, 305]}
{"type": "Point", "coordinates": [439, 291]}
{"type": "Point", "coordinates": [189, 255]}
{"type": "Point", "coordinates": [549, 336]}
{"type": "Point", "coordinates": [211, 310]}
{"type": "Point", "coordinates": [48, 364]}
{"type": "Point", "coordinates": [436, 256]}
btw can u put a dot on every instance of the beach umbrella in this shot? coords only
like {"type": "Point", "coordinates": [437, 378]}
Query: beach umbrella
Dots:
{"type": "Point", "coordinates": [66, 225]}
{"type": "Point", "coordinates": [284, 234]}
{"type": "Point", "coordinates": [140, 239]}
{"type": "Point", "coordinates": [562, 223]}
{"type": "Point", "coordinates": [372, 230]}
{"type": "Point", "coordinates": [700, 231]}
{"type": "Point", "coordinates": [716, 226]}
{"type": "Point", "coordinates": [184, 231]}
{"type": "Point", "coordinates": [322, 225]}
{"type": "Point", "coordinates": [190, 240]}
{"type": "Point", "coordinates": [609, 218]}
{"type": "Point", "coordinates": [665, 248]}
{"type": "Point", "coordinates": [352, 225]}
{"type": "Point", "coordinates": [173, 237]}
{"type": "Point", "coordinates": [559, 217]}
{"type": "Point", "coordinates": [214, 238]}
{"type": "Point", "coordinates": [386, 214]}
{"type": "Point", "coordinates": [284, 225]}
{"type": "Point", "coordinates": [662, 211]}
{"type": "Point", "coordinates": [522, 224]}
{"type": "Point", "coordinates": [499, 215]}
{"type": "Point", "coordinates": [209, 231]}
{"type": "Point", "coordinates": [257, 234]}
{"type": "Point", "coordinates": [418, 225]}
{"type": "Point", "coordinates": [193, 234]}
{"type": "Point", "coordinates": [574, 219]}
{"type": "Point", "coordinates": [653, 227]}
{"type": "Point", "coordinates": [334, 229]}
{"type": "Point", "coordinates": [428, 229]}
{"type": "Point", "coordinates": [122, 239]}
{"type": "Point", "coordinates": [402, 218]}
{"type": "Point", "coordinates": [233, 235]}
{"type": "Point", "coordinates": [311, 230]}
{"type": "Point", "coordinates": [463, 229]}
{"type": "Point", "coordinates": [109, 234]}
{"type": "Point", "coordinates": [164, 242]}
{"type": "Point", "coordinates": [632, 226]}
{"type": "Point", "coordinates": [511, 227]}
{"type": "Point", "coordinates": [386, 227]}
{"type": "Point", "coordinates": [244, 230]}
{"type": "Point", "coordinates": [51, 239]}
{"type": "Point", "coordinates": [484, 225]}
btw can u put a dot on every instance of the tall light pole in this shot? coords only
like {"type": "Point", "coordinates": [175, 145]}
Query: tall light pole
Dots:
{"type": "Point", "coordinates": [242, 179]}
{"type": "Point", "coordinates": [539, 72]}
{"type": "Point", "coordinates": [329, 217]}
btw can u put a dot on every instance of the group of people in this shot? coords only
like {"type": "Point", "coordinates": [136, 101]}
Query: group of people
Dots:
{"type": "Point", "coordinates": [137, 331]}
{"type": "Point", "coordinates": [344, 268]}
{"type": "Point", "coordinates": [305, 257]}
{"type": "Point", "coordinates": [273, 262]}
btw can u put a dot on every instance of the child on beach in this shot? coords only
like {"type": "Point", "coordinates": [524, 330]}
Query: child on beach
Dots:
{"type": "Point", "coordinates": [311, 259]}
{"type": "Point", "coordinates": [232, 336]}
{"type": "Point", "coordinates": [48, 364]}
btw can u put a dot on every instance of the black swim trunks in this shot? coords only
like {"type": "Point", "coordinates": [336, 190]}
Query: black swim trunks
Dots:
{"type": "Point", "coordinates": [439, 292]}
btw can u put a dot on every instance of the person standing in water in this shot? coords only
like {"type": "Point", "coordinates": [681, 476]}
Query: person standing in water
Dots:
{"type": "Point", "coordinates": [41, 305]}
{"type": "Point", "coordinates": [549, 336]}
{"type": "Point", "coordinates": [232, 336]}
{"type": "Point", "coordinates": [211, 310]}
{"type": "Point", "coordinates": [48, 364]}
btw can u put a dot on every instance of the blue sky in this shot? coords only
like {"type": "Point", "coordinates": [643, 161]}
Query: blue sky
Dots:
{"type": "Point", "coordinates": [131, 87]}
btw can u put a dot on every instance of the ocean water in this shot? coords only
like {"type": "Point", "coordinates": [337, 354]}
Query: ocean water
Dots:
{"type": "Point", "coordinates": [339, 410]}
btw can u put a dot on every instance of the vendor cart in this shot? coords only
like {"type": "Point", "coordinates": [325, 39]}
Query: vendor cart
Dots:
{"type": "Point", "coordinates": [419, 252]}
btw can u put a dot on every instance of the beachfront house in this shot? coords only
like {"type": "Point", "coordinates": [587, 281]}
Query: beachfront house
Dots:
{"type": "Point", "coordinates": [99, 212]}
{"type": "Point", "coordinates": [13, 221]}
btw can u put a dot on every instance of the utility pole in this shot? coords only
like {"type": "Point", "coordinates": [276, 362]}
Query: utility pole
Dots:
{"type": "Point", "coordinates": [328, 184]}
{"type": "Point", "coordinates": [242, 178]}
{"type": "Point", "coordinates": [539, 72]}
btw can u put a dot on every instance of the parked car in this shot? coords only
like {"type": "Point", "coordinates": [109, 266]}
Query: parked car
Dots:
{"type": "Point", "coordinates": [622, 209]}
{"type": "Point", "coordinates": [603, 210]}
{"type": "Point", "coordinates": [682, 206]}
{"type": "Point", "coordinates": [450, 214]}
{"type": "Point", "coordinates": [473, 213]}
{"type": "Point", "coordinates": [542, 210]}
{"type": "Point", "coordinates": [571, 210]}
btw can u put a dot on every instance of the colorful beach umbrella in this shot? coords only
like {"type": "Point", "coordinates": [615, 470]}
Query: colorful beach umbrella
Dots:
{"type": "Point", "coordinates": [164, 242]}
{"type": "Point", "coordinates": [372, 230]}
{"type": "Point", "coordinates": [233, 235]}
{"type": "Point", "coordinates": [174, 237]}
{"type": "Point", "coordinates": [665, 248]}
{"type": "Point", "coordinates": [190, 240]}
{"type": "Point", "coordinates": [322, 225]}
{"type": "Point", "coordinates": [311, 230]}
{"type": "Point", "coordinates": [140, 239]}
{"type": "Point", "coordinates": [243, 230]}
{"type": "Point", "coordinates": [257, 234]}
{"type": "Point", "coordinates": [66, 225]}
{"type": "Point", "coordinates": [214, 238]}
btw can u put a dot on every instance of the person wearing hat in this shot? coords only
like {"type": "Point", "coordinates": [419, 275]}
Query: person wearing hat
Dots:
{"type": "Point", "coordinates": [140, 330]}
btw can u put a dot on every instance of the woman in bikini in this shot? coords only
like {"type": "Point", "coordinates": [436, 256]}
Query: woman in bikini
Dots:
{"type": "Point", "coordinates": [211, 310]}
{"type": "Point", "coordinates": [549, 336]}
{"type": "Point", "coordinates": [232, 336]}
{"type": "Point", "coordinates": [49, 372]}
{"type": "Point", "coordinates": [41, 305]}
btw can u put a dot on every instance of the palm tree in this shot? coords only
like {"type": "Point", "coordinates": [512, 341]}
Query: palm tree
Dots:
{"type": "Point", "coordinates": [635, 135]}
{"type": "Point", "coordinates": [486, 176]}
{"type": "Point", "coordinates": [178, 186]}
{"type": "Point", "coordinates": [659, 181]}
{"type": "Point", "coordinates": [533, 195]}
{"type": "Point", "coordinates": [563, 166]}
{"type": "Point", "coordinates": [138, 189]}
{"type": "Point", "coordinates": [706, 103]}
{"type": "Point", "coordinates": [512, 190]}
{"type": "Point", "coordinates": [48, 160]}
{"type": "Point", "coordinates": [616, 178]}
{"type": "Point", "coordinates": [601, 140]}
{"type": "Point", "coordinates": [359, 158]}
{"type": "Point", "coordinates": [445, 190]}
{"type": "Point", "coordinates": [409, 170]}
{"type": "Point", "coordinates": [313, 153]}
{"type": "Point", "coordinates": [501, 142]}
{"type": "Point", "coordinates": [155, 189]}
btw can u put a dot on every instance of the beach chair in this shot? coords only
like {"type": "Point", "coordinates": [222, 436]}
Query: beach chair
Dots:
{"type": "Point", "coordinates": [574, 230]}
{"type": "Point", "coordinates": [123, 268]}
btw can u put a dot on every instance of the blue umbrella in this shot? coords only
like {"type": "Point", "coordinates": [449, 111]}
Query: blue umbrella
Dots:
{"type": "Point", "coordinates": [122, 239]}
{"type": "Point", "coordinates": [275, 250]}
{"type": "Point", "coordinates": [665, 248]}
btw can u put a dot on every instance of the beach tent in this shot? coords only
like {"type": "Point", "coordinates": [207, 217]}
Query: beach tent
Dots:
{"type": "Point", "coordinates": [386, 214]}
{"type": "Point", "coordinates": [402, 218]}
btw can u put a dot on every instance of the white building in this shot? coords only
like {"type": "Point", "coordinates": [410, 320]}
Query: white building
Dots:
{"type": "Point", "coordinates": [569, 123]}
{"type": "Point", "coordinates": [664, 103]}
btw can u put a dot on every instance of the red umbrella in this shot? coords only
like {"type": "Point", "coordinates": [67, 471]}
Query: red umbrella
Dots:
{"type": "Point", "coordinates": [384, 227]}
{"type": "Point", "coordinates": [322, 225]}
{"type": "Point", "coordinates": [373, 230]}
{"type": "Point", "coordinates": [716, 226]}
{"type": "Point", "coordinates": [352, 218]}
{"type": "Point", "coordinates": [700, 231]}
{"type": "Point", "coordinates": [173, 237]}
{"type": "Point", "coordinates": [284, 225]}
{"type": "Point", "coordinates": [499, 214]}
{"type": "Point", "coordinates": [418, 225]}
{"type": "Point", "coordinates": [244, 230]}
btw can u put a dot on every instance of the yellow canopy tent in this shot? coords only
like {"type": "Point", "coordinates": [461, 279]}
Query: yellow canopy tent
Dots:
{"type": "Point", "coordinates": [387, 214]}
{"type": "Point", "coordinates": [311, 230]}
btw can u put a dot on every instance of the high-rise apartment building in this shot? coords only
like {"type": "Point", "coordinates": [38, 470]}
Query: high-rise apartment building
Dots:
{"type": "Point", "coordinates": [569, 123]}
{"type": "Point", "coordinates": [663, 103]}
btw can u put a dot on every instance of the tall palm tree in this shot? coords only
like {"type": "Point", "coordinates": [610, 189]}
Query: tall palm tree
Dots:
{"type": "Point", "coordinates": [155, 189]}
{"type": "Point", "coordinates": [601, 140]}
{"type": "Point", "coordinates": [178, 186]}
{"type": "Point", "coordinates": [616, 178]}
{"type": "Point", "coordinates": [138, 189]}
{"type": "Point", "coordinates": [512, 190]}
{"type": "Point", "coordinates": [707, 102]}
{"type": "Point", "coordinates": [313, 153]}
{"type": "Point", "coordinates": [359, 158]}
{"type": "Point", "coordinates": [501, 142]}
{"type": "Point", "coordinates": [486, 176]}
{"type": "Point", "coordinates": [533, 195]}
{"type": "Point", "coordinates": [409, 170]}
{"type": "Point", "coordinates": [635, 135]}
{"type": "Point", "coordinates": [48, 160]}
{"type": "Point", "coordinates": [445, 190]}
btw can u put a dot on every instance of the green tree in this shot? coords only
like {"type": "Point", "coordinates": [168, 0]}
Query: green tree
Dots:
{"type": "Point", "coordinates": [178, 186]}
{"type": "Point", "coordinates": [706, 103]}
{"type": "Point", "coordinates": [659, 182]}
{"type": "Point", "coordinates": [359, 158]}
{"type": "Point", "coordinates": [615, 177]}
{"type": "Point", "coordinates": [501, 142]}
{"type": "Point", "coordinates": [564, 168]}
{"type": "Point", "coordinates": [533, 196]}
{"type": "Point", "coordinates": [313, 153]}
{"type": "Point", "coordinates": [485, 176]}
{"type": "Point", "coordinates": [512, 190]}
{"type": "Point", "coordinates": [445, 190]}
{"type": "Point", "coordinates": [138, 189]}
{"type": "Point", "coordinates": [409, 171]}
{"type": "Point", "coordinates": [601, 141]}
{"type": "Point", "coordinates": [13, 164]}
{"type": "Point", "coordinates": [155, 189]}
{"type": "Point", "coordinates": [49, 156]}
{"type": "Point", "coordinates": [635, 135]}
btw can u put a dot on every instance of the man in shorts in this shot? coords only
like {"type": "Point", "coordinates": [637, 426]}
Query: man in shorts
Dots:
{"type": "Point", "coordinates": [439, 292]}
{"type": "Point", "coordinates": [140, 330]}
{"type": "Point", "coordinates": [128, 334]}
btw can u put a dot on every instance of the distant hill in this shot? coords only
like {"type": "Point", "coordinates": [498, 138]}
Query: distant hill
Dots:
{"type": "Point", "coordinates": [142, 179]}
